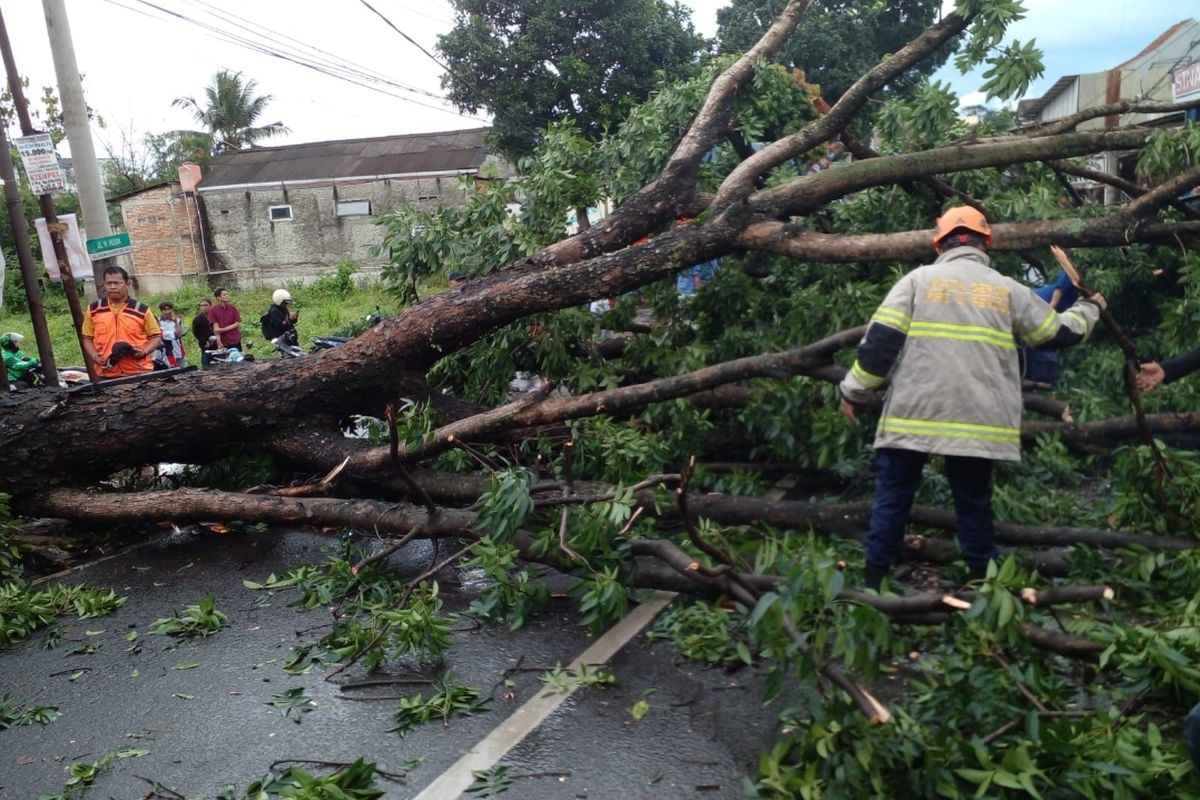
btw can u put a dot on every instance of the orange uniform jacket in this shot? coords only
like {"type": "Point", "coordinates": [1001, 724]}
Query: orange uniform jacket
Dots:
{"type": "Point", "coordinates": [127, 326]}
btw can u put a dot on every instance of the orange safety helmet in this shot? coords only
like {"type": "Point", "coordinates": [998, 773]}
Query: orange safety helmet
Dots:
{"type": "Point", "coordinates": [963, 217]}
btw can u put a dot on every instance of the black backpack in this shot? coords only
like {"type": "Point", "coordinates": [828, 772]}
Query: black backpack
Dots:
{"type": "Point", "coordinates": [264, 323]}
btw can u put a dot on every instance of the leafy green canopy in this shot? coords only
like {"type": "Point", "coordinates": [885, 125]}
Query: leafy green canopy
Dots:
{"type": "Point", "coordinates": [835, 42]}
{"type": "Point", "coordinates": [532, 62]}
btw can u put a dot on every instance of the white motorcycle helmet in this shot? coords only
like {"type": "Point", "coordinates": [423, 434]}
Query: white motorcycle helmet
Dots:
{"type": "Point", "coordinates": [281, 296]}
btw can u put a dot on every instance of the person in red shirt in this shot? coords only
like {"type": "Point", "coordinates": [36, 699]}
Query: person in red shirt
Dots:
{"type": "Point", "coordinates": [226, 321]}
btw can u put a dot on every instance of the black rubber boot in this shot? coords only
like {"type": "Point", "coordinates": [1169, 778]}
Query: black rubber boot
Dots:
{"type": "Point", "coordinates": [976, 573]}
{"type": "Point", "coordinates": [874, 576]}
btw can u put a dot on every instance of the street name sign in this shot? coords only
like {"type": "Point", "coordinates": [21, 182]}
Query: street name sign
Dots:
{"type": "Point", "coordinates": [109, 246]}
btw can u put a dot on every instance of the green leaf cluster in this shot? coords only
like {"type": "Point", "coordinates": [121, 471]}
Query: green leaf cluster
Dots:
{"type": "Point", "coordinates": [84, 773]}
{"type": "Point", "coordinates": [506, 503]}
{"type": "Point", "coordinates": [449, 699]}
{"type": "Point", "coordinates": [293, 699]}
{"type": "Point", "coordinates": [705, 633]}
{"type": "Point", "coordinates": [603, 598]}
{"type": "Point", "coordinates": [354, 782]}
{"type": "Point", "coordinates": [24, 610]}
{"type": "Point", "coordinates": [14, 714]}
{"type": "Point", "coordinates": [199, 620]}
{"type": "Point", "coordinates": [561, 681]}
{"type": "Point", "coordinates": [514, 594]}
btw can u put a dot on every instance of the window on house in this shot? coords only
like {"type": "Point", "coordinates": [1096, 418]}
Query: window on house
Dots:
{"type": "Point", "coordinates": [354, 208]}
{"type": "Point", "coordinates": [279, 213]}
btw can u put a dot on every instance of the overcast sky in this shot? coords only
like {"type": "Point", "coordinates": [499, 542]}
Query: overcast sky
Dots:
{"type": "Point", "coordinates": [137, 56]}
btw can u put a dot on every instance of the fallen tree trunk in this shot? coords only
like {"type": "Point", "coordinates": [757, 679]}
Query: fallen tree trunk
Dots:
{"type": "Point", "coordinates": [52, 438]}
{"type": "Point", "coordinates": [1118, 428]}
{"type": "Point", "coordinates": [392, 517]}
{"type": "Point", "coordinates": [196, 505]}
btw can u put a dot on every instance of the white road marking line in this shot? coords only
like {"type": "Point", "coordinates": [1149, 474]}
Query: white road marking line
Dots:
{"type": "Point", "coordinates": [508, 734]}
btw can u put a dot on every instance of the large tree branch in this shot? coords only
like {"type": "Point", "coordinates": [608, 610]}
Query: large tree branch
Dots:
{"type": "Point", "coordinates": [1112, 231]}
{"type": "Point", "coordinates": [1106, 430]}
{"type": "Point", "coordinates": [741, 181]}
{"type": "Point", "coordinates": [660, 200]}
{"type": "Point", "coordinates": [1164, 194]}
{"type": "Point", "coordinates": [839, 518]}
{"type": "Point", "coordinates": [1110, 109]}
{"type": "Point", "coordinates": [1131, 189]}
{"type": "Point", "coordinates": [525, 414]}
{"type": "Point", "coordinates": [190, 505]}
{"type": "Point", "coordinates": [804, 194]}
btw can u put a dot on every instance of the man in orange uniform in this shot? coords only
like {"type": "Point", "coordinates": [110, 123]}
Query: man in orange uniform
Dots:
{"type": "Point", "coordinates": [119, 333]}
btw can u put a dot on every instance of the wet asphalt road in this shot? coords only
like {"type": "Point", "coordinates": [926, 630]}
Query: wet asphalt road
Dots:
{"type": "Point", "coordinates": [210, 725]}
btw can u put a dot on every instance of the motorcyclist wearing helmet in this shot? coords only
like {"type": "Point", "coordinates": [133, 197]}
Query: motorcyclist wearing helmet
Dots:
{"type": "Point", "coordinates": [942, 346]}
{"type": "Point", "coordinates": [280, 319]}
{"type": "Point", "coordinates": [18, 365]}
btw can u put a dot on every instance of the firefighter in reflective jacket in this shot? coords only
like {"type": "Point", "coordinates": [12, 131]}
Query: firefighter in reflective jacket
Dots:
{"type": "Point", "coordinates": [942, 344]}
{"type": "Point", "coordinates": [120, 334]}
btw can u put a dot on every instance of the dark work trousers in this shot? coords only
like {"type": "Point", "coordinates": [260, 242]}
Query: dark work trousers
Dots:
{"type": "Point", "coordinates": [897, 474]}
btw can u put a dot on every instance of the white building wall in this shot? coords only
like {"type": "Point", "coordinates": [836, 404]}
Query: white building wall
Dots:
{"type": "Point", "coordinates": [1064, 105]}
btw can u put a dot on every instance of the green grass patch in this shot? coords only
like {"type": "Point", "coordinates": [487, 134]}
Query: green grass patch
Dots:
{"type": "Point", "coordinates": [329, 307]}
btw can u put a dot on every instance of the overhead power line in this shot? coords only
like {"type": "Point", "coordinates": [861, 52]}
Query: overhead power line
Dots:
{"type": "Point", "coordinates": [499, 112]}
{"type": "Point", "coordinates": [324, 63]}
{"type": "Point", "coordinates": [392, 25]}
{"type": "Point", "coordinates": [322, 57]}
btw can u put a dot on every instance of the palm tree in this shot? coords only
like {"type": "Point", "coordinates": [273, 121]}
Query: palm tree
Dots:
{"type": "Point", "coordinates": [230, 110]}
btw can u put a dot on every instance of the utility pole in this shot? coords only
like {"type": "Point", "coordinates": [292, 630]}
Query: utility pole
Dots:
{"type": "Point", "coordinates": [79, 131]}
{"type": "Point", "coordinates": [52, 224]}
{"type": "Point", "coordinates": [33, 292]}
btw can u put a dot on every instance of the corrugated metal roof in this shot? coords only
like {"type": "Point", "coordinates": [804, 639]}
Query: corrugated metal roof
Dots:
{"type": "Point", "coordinates": [449, 151]}
{"type": "Point", "coordinates": [1029, 109]}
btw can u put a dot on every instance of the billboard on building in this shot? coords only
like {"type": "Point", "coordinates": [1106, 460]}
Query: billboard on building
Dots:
{"type": "Point", "coordinates": [1187, 81]}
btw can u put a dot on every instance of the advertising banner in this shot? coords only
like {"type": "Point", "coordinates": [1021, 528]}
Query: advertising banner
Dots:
{"type": "Point", "coordinates": [41, 163]}
{"type": "Point", "coordinates": [81, 265]}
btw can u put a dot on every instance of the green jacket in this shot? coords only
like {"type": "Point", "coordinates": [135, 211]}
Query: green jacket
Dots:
{"type": "Point", "coordinates": [17, 364]}
{"type": "Point", "coordinates": [944, 341]}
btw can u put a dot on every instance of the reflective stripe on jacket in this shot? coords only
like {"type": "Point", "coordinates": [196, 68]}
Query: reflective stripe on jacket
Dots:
{"type": "Point", "coordinates": [943, 339]}
{"type": "Point", "coordinates": [128, 326]}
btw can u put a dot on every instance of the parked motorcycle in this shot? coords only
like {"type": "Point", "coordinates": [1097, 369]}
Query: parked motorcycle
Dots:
{"type": "Point", "coordinates": [228, 355]}
{"type": "Point", "coordinates": [288, 344]}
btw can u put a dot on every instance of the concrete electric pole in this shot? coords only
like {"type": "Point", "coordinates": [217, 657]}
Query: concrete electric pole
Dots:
{"type": "Point", "coordinates": [79, 131]}
{"type": "Point", "coordinates": [47, 202]}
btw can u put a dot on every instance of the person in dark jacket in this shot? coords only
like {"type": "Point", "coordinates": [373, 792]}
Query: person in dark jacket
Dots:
{"type": "Point", "coordinates": [202, 329]}
{"type": "Point", "coordinates": [1152, 373]}
{"type": "Point", "coordinates": [279, 319]}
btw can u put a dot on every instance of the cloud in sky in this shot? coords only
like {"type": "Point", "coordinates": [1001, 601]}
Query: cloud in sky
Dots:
{"type": "Point", "coordinates": [1077, 37]}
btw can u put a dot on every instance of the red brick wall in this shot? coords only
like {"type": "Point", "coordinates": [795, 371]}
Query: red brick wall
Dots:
{"type": "Point", "coordinates": [164, 231]}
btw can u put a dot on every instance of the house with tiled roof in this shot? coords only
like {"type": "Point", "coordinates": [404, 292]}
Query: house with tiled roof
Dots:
{"type": "Point", "coordinates": [276, 215]}
{"type": "Point", "coordinates": [279, 214]}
